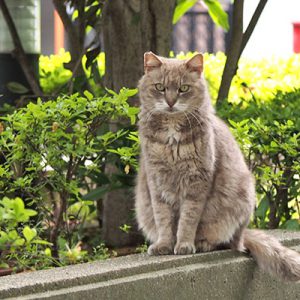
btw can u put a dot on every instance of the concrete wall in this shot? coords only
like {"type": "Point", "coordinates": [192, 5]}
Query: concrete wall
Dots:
{"type": "Point", "coordinates": [218, 275]}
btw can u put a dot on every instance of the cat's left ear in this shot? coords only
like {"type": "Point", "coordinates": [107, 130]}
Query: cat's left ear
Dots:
{"type": "Point", "coordinates": [195, 64]}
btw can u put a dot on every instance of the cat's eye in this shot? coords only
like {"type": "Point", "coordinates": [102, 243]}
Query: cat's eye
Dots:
{"type": "Point", "coordinates": [160, 87]}
{"type": "Point", "coordinates": [184, 88]}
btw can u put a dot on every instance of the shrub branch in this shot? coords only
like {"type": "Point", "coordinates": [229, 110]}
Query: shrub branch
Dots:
{"type": "Point", "coordinates": [237, 44]}
{"type": "Point", "coordinates": [19, 52]}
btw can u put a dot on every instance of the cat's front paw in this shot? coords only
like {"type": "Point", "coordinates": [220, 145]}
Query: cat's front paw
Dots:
{"type": "Point", "coordinates": [184, 248]}
{"type": "Point", "coordinates": [160, 248]}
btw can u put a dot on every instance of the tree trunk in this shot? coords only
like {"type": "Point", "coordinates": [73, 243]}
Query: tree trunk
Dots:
{"type": "Point", "coordinates": [130, 28]}
{"type": "Point", "coordinates": [233, 52]}
{"type": "Point", "coordinates": [237, 44]}
{"type": "Point", "coordinates": [19, 51]}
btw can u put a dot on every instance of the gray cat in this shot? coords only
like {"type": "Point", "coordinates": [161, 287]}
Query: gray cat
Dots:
{"type": "Point", "coordinates": [194, 190]}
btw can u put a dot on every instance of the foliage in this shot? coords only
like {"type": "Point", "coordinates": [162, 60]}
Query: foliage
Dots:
{"type": "Point", "coordinates": [20, 243]}
{"type": "Point", "coordinates": [142, 248]}
{"type": "Point", "coordinates": [82, 20]}
{"type": "Point", "coordinates": [218, 15]}
{"type": "Point", "coordinates": [53, 156]}
{"type": "Point", "coordinates": [181, 8]}
{"type": "Point", "coordinates": [55, 77]}
{"type": "Point", "coordinates": [215, 10]}
{"type": "Point", "coordinates": [269, 135]}
{"type": "Point", "coordinates": [255, 79]}
{"type": "Point", "coordinates": [53, 74]}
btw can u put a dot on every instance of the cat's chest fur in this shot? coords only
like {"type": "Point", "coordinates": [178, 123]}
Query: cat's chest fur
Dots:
{"type": "Point", "coordinates": [171, 146]}
{"type": "Point", "coordinates": [173, 158]}
{"type": "Point", "coordinates": [173, 135]}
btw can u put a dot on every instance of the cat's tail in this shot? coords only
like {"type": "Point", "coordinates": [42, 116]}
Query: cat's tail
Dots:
{"type": "Point", "coordinates": [271, 256]}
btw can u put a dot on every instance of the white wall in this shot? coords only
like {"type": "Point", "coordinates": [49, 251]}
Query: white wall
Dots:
{"type": "Point", "coordinates": [273, 35]}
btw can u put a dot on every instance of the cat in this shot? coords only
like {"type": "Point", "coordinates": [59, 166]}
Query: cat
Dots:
{"type": "Point", "coordinates": [194, 191]}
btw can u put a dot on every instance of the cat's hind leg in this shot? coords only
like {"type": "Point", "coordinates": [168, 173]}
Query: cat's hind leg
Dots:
{"type": "Point", "coordinates": [209, 238]}
{"type": "Point", "coordinates": [205, 246]}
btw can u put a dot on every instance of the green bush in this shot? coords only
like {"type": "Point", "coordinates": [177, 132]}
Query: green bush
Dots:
{"type": "Point", "coordinates": [269, 135]}
{"type": "Point", "coordinates": [20, 244]}
{"type": "Point", "coordinates": [53, 156]}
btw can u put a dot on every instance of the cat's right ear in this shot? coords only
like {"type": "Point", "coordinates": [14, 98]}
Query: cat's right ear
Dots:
{"type": "Point", "coordinates": [195, 64]}
{"type": "Point", "coordinates": [151, 61]}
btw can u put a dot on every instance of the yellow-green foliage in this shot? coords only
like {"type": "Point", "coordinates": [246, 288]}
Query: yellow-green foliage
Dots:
{"type": "Point", "coordinates": [261, 79]}
{"type": "Point", "coordinates": [264, 78]}
{"type": "Point", "coordinates": [53, 74]}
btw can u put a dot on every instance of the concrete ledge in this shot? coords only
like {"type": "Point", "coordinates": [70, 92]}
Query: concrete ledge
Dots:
{"type": "Point", "coordinates": [218, 275]}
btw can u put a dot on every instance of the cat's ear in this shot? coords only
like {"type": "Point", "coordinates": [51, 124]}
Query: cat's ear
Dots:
{"type": "Point", "coordinates": [151, 61]}
{"type": "Point", "coordinates": [195, 64]}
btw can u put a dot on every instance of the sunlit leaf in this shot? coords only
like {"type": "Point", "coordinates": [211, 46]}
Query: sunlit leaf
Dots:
{"type": "Point", "coordinates": [182, 8]}
{"type": "Point", "coordinates": [217, 13]}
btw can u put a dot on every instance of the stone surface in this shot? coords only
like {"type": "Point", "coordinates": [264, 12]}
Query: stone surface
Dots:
{"type": "Point", "coordinates": [216, 275]}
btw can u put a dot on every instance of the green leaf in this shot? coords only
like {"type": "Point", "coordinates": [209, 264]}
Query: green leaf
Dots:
{"type": "Point", "coordinates": [18, 242]}
{"type": "Point", "coordinates": [125, 228]}
{"type": "Point", "coordinates": [218, 15]}
{"type": "Point", "coordinates": [75, 15]}
{"type": "Point", "coordinates": [29, 233]}
{"type": "Point", "coordinates": [17, 88]}
{"type": "Point", "coordinates": [262, 208]}
{"type": "Point", "coordinates": [30, 212]}
{"type": "Point", "coordinates": [131, 92]}
{"type": "Point", "coordinates": [111, 92]}
{"type": "Point", "coordinates": [97, 193]}
{"type": "Point", "coordinates": [41, 242]}
{"type": "Point", "coordinates": [233, 123]}
{"type": "Point", "coordinates": [13, 234]}
{"type": "Point", "coordinates": [291, 225]}
{"type": "Point", "coordinates": [4, 238]}
{"type": "Point", "coordinates": [273, 144]}
{"type": "Point", "coordinates": [4, 265]}
{"type": "Point", "coordinates": [182, 8]}
{"type": "Point", "coordinates": [89, 95]}
{"type": "Point", "coordinates": [18, 205]}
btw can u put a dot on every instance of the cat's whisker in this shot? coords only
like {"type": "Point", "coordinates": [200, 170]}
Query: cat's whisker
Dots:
{"type": "Point", "coordinates": [195, 108]}
{"type": "Point", "coordinates": [195, 117]}
{"type": "Point", "coordinates": [188, 119]}
{"type": "Point", "coordinates": [150, 114]}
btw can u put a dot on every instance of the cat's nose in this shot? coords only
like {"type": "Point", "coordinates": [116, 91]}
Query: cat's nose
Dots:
{"type": "Point", "coordinates": [171, 103]}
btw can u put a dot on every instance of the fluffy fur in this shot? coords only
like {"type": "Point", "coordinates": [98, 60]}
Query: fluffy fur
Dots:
{"type": "Point", "coordinates": [194, 191]}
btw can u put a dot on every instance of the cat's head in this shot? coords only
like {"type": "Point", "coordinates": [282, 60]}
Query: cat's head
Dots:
{"type": "Point", "coordinates": [172, 86]}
